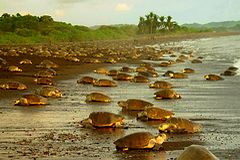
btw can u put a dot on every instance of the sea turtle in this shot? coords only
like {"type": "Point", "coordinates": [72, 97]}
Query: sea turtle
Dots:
{"type": "Point", "coordinates": [103, 119]}
{"type": "Point", "coordinates": [127, 69]}
{"type": "Point", "coordinates": [164, 64]}
{"type": "Point", "coordinates": [13, 69]}
{"type": "Point", "coordinates": [47, 64]}
{"type": "Point", "coordinates": [134, 104]}
{"type": "Point", "coordinates": [30, 100]}
{"type": "Point", "coordinates": [149, 73]}
{"type": "Point", "coordinates": [196, 61]}
{"type": "Point", "coordinates": [154, 113]}
{"type": "Point", "coordinates": [179, 60]}
{"type": "Point", "coordinates": [49, 91]}
{"type": "Point", "coordinates": [112, 72]}
{"type": "Point", "coordinates": [139, 140]}
{"type": "Point", "coordinates": [232, 68]}
{"type": "Point", "coordinates": [213, 77]}
{"type": "Point", "coordinates": [123, 77]}
{"type": "Point", "coordinates": [179, 125]}
{"type": "Point", "coordinates": [166, 94]}
{"type": "Point", "coordinates": [98, 97]}
{"type": "Point", "coordinates": [44, 81]}
{"type": "Point", "coordinates": [87, 80]}
{"type": "Point", "coordinates": [46, 73]}
{"type": "Point", "coordinates": [105, 83]}
{"type": "Point", "coordinates": [228, 73]}
{"type": "Point", "coordinates": [161, 84]}
{"type": "Point", "coordinates": [178, 75]}
{"type": "Point", "coordinates": [188, 70]}
{"type": "Point", "coordinates": [196, 152]}
{"type": "Point", "coordinates": [25, 61]}
{"type": "Point", "coordinates": [13, 85]}
{"type": "Point", "coordinates": [141, 69]}
{"type": "Point", "coordinates": [101, 71]}
{"type": "Point", "coordinates": [140, 79]}
{"type": "Point", "coordinates": [110, 60]}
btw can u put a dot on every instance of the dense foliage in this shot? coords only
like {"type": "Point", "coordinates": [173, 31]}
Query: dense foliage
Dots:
{"type": "Point", "coordinates": [152, 23]}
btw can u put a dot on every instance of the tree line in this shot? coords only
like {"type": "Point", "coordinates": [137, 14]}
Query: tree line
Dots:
{"type": "Point", "coordinates": [152, 23]}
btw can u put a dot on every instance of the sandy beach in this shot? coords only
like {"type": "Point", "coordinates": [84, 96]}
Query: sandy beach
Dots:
{"type": "Point", "coordinates": [53, 131]}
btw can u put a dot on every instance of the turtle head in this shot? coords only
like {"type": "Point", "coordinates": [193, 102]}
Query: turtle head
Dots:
{"type": "Point", "coordinates": [122, 104]}
{"type": "Point", "coordinates": [206, 77]}
{"type": "Point", "coordinates": [151, 85]}
{"type": "Point", "coordinates": [178, 96]}
{"type": "Point", "coordinates": [160, 138]}
{"type": "Point", "coordinates": [86, 122]}
{"type": "Point", "coordinates": [142, 116]}
{"type": "Point", "coordinates": [171, 75]}
{"type": "Point", "coordinates": [167, 127]}
{"type": "Point", "coordinates": [22, 101]}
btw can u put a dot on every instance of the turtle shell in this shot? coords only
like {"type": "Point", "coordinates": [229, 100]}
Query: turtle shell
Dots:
{"type": "Point", "coordinates": [112, 72]}
{"type": "Point", "coordinates": [167, 73]}
{"type": "Point", "coordinates": [44, 81]}
{"type": "Point", "coordinates": [196, 61]}
{"type": "Point", "coordinates": [213, 77]}
{"type": "Point", "coordinates": [140, 79]}
{"type": "Point", "coordinates": [98, 97]}
{"type": "Point", "coordinates": [87, 80]}
{"type": "Point", "coordinates": [47, 73]}
{"type": "Point", "coordinates": [161, 84]}
{"type": "Point", "coordinates": [105, 83]}
{"type": "Point", "coordinates": [31, 99]}
{"type": "Point", "coordinates": [101, 71]}
{"type": "Point", "coordinates": [178, 75]}
{"type": "Point", "coordinates": [164, 64]}
{"type": "Point", "coordinates": [126, 69]}
{"type": "Point", "coordinates": [196, 152]}
{"type": "Point", "coordinates": [166, 94]}
{"type": "Point", "coordinates": [49, 91]}
{"type": "Point", "coordinates": [14, 69]}
{"type": "Point", "coordinates": [181, 125]}
{"type": "Point", "coordinates": [47, 64]}
{"type": "Point", "coordinates": [137, 140]}
{"type": "Point", "coordinates": [156, 113]}
{"type": "Point", "coordinates": [229, 73]}
{"type": "Point", "coordinates": [105, 119]}
{"type": "Point", "coordinates": [25, 61]}
{"type": "Point", "coordinates": [13, 85]}
{"type": "Point", "coordinates": [188, 70]}
{"type": "Point", "coordinates": [123, 77]}
{"type": "Point", "coordinates": [134, 104]}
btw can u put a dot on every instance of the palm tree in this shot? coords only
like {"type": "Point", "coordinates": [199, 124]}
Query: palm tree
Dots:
{"type": "Point", "coordinates": [169, 23]}
{"type": "Point", "coordinates": [161, 23]}
{"type": "Point", "coordinates": [141, 25]}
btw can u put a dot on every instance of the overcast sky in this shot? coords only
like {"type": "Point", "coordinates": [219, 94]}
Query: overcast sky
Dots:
{"type": "Point", "coordinates": [96, 12]}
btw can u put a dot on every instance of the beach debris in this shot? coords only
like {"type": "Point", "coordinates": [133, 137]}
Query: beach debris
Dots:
{"type": "Point", "coordinates": [13, 85]}
{"type": "Point", "coordinates": [140, 140]}
{"type": "Point", "coordinates": [196, 152]}
{"type": "Point", "coordinates": [154, 113]}
{"type": "Point", "coordinates": [167, 94]}
{"type": "Point", "coordinates": [98, 97]}
{"type": "Point", "coordinates": [103, 119]}
{"type": "Point", "coordinates": [31, 100]}
{"type": "Point", "coordinates": [179, 125]}
{"type": "Point", "coordinates": [134, 104]}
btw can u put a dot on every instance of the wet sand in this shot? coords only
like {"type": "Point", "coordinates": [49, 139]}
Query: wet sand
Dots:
{"type": "Point", "coordinates": [53, 131]}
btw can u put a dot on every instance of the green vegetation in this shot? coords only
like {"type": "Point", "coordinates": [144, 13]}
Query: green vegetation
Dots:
{"type": "Point", "coordinates": [230, 26]}
{"type": "Point", "coordinates": [33, 29]}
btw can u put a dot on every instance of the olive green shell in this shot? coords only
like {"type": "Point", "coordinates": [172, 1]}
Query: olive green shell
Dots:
{"type": "Point", "coordinates": [98, 97]}
{"type": "Point", "coordinates": [87, 80]}
{"type": "Point", "coordinates": [105, 119]}
{"type": "Point", "coordinates": [196, 152]}
{"type": "Point", "coordinates": [134, 141]}
{"type": "Point", "coordinates": [134, 104]}
{"type": "Point", "coordinates": [161, 85]}
{"type": "Point", "coordinates": [183, 125]}
{"type": "Point", "coordinates": [167, 94]}
{"type": "Point", "coordinates": [156, 113]}
{"type": "Point", "coordinates": [105, 83]}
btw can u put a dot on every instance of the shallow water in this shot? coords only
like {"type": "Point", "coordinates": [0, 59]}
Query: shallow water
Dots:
{"type": "Point", "coordinates": [213, 104]}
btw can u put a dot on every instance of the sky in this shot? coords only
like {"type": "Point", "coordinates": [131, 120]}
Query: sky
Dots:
{"type": "Point", "coordinates": [102, 12]}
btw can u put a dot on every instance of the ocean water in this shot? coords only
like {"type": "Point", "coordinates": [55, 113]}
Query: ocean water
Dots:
{"type": "Point", "coordinates": [215, 105]}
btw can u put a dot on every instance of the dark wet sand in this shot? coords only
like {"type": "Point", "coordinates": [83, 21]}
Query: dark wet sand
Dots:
{"type": "Point", "coordinates": [53, 132]}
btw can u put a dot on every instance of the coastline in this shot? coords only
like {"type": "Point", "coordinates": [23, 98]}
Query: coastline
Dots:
{"type": "Point", "coordinates": [70, 71]}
